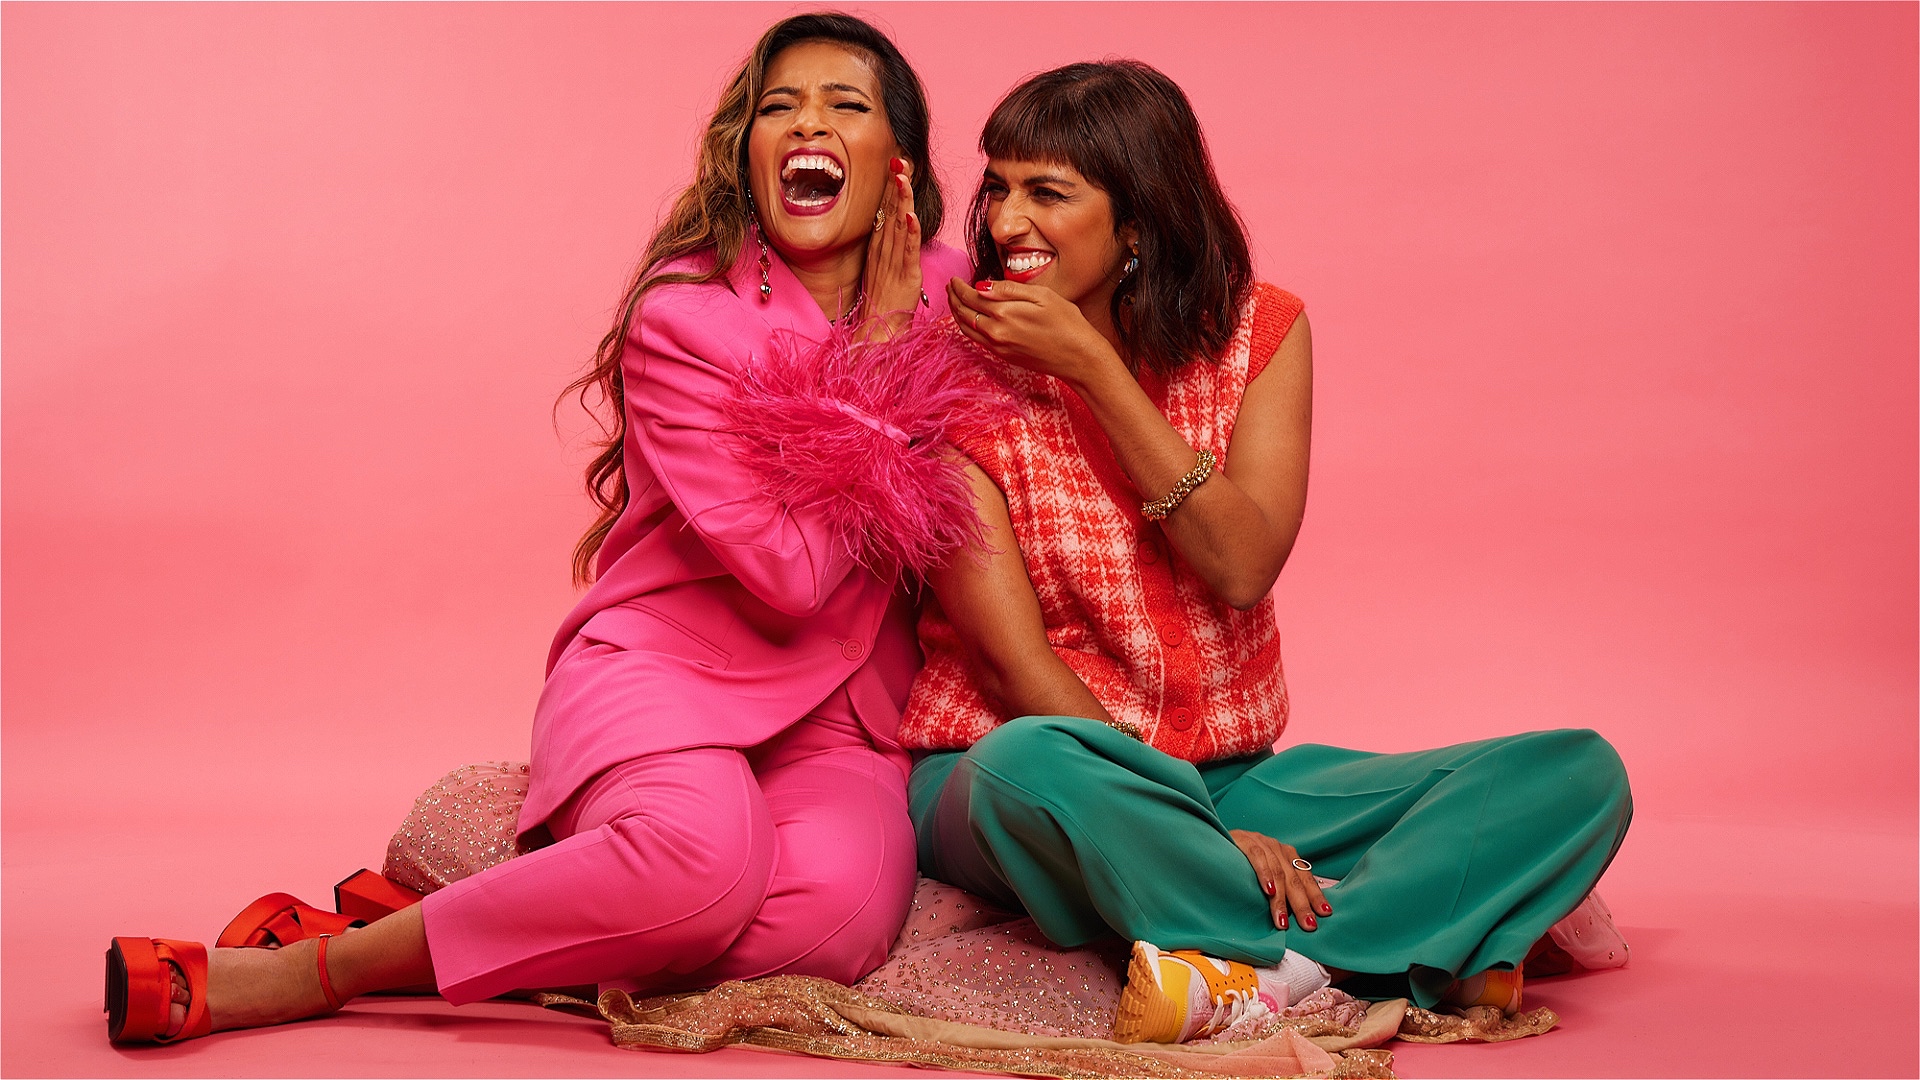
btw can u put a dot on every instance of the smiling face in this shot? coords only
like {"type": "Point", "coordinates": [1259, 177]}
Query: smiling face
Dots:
{"type": "Point", "coordinates": [817, 151]}
{"type": "Point", "coordinates": [1053, 227]}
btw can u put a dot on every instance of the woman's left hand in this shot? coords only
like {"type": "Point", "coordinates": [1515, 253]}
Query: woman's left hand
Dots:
{"type": "Point", "coordinates": [1031, 326]}
{"type": "Point", "coordinates": [1286, 885]}
{"type": "Point", "coordinates": [891, 283]}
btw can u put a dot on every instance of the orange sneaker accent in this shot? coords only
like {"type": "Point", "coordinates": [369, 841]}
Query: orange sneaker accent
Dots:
{"type": "Point", "coordinates": [1497, 987]}
{"type": "Point", "coordinates": [1151, 1011]}
{"type": "Point", "coordinates": [1156, 1004]}
{"type": "Point", "coordinates": [140, 989]}
{"type": "Point", "coordinates": [1238, 978]}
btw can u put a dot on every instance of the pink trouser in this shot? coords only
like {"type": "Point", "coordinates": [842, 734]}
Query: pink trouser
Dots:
{"type": "Point", "coordinates": [688, 868]}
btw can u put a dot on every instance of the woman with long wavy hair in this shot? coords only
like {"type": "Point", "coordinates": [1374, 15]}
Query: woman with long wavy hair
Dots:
{"type": "Point", "coordinates": [716, 791]}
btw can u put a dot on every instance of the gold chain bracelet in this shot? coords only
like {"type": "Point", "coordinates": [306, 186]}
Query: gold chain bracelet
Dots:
{"type": "Point", "coordinates": [1166, 504]}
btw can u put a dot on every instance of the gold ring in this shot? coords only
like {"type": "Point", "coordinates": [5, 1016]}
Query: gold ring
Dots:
{"type": "Point", "coordinates": [879, 219]}
{"type": "Point", "coordinates": [976, 320]}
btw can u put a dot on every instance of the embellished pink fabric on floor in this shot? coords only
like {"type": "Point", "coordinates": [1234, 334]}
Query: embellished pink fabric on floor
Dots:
{"type": "Point", "coordinates": [966, 984]}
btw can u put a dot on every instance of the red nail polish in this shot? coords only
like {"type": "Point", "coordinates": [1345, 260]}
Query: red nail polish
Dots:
{"type": "Point", "coordinates": [1283, 922]}
{"type": "Point", "coordinates": [983, 286]}
{"type": "Point", "coordinates": [1267, 885]}
{"type": "Point", "coordinates": [1308, 922]}
{"type": "Point", "coordinates": [897, 164]}
{"type": "Point", "coordinates": [1326, 909]}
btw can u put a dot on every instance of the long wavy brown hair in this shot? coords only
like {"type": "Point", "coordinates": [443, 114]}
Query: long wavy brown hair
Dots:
{"type": "Point", "coordinates": [712, 214]}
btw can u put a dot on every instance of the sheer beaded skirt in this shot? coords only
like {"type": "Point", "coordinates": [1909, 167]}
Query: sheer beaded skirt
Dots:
{"type": "Point", "coordinates": [464, 823]}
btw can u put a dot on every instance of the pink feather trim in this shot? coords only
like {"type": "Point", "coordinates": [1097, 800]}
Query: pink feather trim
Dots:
{"type": "Point", "coordinates": [865, 432]}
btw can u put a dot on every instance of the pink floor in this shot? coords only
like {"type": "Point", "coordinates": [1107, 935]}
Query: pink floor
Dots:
{"type": "Point", "coordinates": [1729, 951]}
{"type": "Point", "coordinates": [1614, 311]}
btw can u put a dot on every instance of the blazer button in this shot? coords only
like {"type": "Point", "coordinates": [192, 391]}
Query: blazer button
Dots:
{"type": "Point", "coordinates": [1173, 634]}
{"type": "Point", "coordinates": [1182, 718]}
{"type": "Point", "coordinates": [851, 649]}
{"type": "Point", "coordinates": [1148, 553]}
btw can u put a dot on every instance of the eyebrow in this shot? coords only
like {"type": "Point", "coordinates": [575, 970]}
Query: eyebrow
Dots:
{"type": "Point", "coordinates": [1043, 178]}
{"type": "Point", "coordinates": [844, 88]}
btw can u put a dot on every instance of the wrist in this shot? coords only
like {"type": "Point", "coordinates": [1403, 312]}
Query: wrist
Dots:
{"type": "Point", "coordinates": [1097, 371]}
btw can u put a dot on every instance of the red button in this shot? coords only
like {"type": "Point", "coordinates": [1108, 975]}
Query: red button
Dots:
{"type": "Point", "coordinates": [1148, 553]}
{"type": "Point", "coordinates": [851, 649]}
{"type": "Point", "coordinates": [1173, 634]}
{"type": "Point", "coordinates": [1182, 718]}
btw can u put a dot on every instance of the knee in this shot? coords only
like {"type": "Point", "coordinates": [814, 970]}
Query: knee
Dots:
{"type": "Point", "coordinates": [1585, 762]}
{"type": "Point", "coordinates": [852, 912]}
{"type": "Point", "coordinates": [1027, 752]}
{"type": "Point", "coordinates": [856, 946]}
{"type": "Point", "coordinates": [709, 870]}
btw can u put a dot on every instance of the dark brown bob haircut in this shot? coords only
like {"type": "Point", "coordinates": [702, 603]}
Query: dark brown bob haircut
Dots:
{"type": "Point", "coordinates": [1131, 132]}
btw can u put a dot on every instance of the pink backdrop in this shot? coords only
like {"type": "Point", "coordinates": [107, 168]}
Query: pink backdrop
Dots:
{"type": "Point", "coordinates": [1615, 313]}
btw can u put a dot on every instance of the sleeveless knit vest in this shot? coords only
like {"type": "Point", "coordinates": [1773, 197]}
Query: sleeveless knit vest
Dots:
{"type": "Point", "coordinates": [1200, 680]}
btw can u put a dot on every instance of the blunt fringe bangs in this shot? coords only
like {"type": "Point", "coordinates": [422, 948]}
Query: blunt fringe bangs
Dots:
{"type": "Point", "coordinates": [1130, 131]}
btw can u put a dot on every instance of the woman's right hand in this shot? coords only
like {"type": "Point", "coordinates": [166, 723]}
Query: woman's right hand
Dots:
{"type": "Point", "coordinates": [1286, 885]}
{"type": "Point", "coordinates": [891, 282]}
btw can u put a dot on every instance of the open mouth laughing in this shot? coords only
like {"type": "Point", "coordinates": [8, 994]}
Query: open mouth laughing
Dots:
{"type": "Point", "coordinates": [1025, 264]}
{"type": "Point", "coordinates": [810, 181]}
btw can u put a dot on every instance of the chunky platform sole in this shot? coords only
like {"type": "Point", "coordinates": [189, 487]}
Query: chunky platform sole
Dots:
{"type": "Point", "coordinates": [140, 989]}
{"type": "Point", "coordinates": [1148, 1013]}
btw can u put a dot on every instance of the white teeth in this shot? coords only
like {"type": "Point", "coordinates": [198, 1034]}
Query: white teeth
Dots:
{"type": "Point", "coordinates": [821, 162]}
{"type": "Point", "coordinates": [1027, 260]}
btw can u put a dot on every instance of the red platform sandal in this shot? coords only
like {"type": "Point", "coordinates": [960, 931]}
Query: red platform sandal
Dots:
{"type": "Point", "coordinates": [366, 895]}
{"type": "Point", "coordinates": [278, 919]}
{"type": "Point", "coordinates": [140, 989]}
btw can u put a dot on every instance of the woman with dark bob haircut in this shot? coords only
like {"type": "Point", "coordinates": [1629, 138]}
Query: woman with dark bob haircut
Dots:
{"type": "Point", "coordinates": [715, 790]}
{"type": "Point", "coordinates": [1103, 685]}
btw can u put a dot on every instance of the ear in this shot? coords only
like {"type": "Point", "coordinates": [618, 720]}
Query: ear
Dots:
{"type": "Point", "coordinates": [1129, 238]}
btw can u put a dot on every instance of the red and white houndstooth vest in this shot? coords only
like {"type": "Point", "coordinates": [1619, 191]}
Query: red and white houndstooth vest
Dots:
{"type": "Point", "coordinates": [1200, 680]}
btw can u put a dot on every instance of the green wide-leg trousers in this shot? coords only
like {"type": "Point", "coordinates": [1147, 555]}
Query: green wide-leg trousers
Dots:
{"type": "Point", "coordinates": [1450, 861]}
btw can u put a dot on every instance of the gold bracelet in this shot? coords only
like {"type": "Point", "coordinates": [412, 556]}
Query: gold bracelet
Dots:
{"type": "Point", "coordinates": [1168, 503]}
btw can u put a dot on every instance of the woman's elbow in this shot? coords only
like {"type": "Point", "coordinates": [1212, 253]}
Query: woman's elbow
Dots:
{"type": "Point", "coordinates": [1247, 596]}
{"type": "Point", "coordinates": [800, 605]}
{"type": "Point", "coordinates": [793, 587]}
{"type": "Point", "coordinates": [1243, 587]}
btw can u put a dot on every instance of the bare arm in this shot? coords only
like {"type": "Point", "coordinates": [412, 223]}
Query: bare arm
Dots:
{"type": "Point", "coordinates": [1236, 529]}
{"type": "Point", "coordinates": [991, 604]}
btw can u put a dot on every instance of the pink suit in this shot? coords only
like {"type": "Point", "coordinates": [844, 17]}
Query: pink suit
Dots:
{"type": "Point", "coordinates": [714, 752]}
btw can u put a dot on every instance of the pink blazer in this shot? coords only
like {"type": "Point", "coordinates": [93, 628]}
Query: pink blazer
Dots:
{"type": "Point", "coordinates": [739, 615]}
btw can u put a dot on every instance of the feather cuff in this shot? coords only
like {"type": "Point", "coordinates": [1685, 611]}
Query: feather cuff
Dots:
{"type": "Point", "coordinates": [864, 433]}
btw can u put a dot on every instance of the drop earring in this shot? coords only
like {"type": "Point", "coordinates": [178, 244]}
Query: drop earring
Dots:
{"type": "Point", "coordinates": [766, 258]}
{"type": "Point", "coordinates": [766, 266]}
